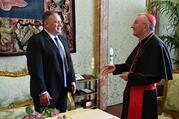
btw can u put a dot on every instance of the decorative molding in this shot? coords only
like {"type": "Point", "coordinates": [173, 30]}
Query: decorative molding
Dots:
{"type": "Point", "coordinates": [23, 72]}
{"type": "Point", "coordinates": [17, 105]}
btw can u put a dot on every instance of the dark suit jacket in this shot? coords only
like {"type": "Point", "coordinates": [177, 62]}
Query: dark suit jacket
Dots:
{"type": "Point", "coordinates": [45, 66]}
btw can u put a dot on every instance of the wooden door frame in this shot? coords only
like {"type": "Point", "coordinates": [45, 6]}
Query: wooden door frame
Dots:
{"type": "Point", "coordinates": [100, 48]}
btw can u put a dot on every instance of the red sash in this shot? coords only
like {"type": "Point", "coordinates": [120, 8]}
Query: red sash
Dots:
{"type": "Point", "coordinates": [136, 100]}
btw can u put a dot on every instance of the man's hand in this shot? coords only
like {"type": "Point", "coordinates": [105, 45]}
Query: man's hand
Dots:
{"type": "Point", "coordinates": [45, 99]}
{"type": "Point", "coordinates": [124, 75]}
{"type": "Point", "coordinates": [73, 84]}
{"type": "Point", "coordinates": [107, 69]}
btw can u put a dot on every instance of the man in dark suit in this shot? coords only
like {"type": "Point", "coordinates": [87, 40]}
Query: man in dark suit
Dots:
{"type": "Point", "coordinates": [50, 65]}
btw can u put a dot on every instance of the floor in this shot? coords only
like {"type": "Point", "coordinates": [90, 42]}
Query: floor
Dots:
{"type": "Point", "coordinates": [117, 110]}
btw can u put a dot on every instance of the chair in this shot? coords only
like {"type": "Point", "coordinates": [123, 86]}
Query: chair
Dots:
{"type": "Point", "coordinates": [70, 102]}
{"type": "Point", "coordinates": [170, 98]}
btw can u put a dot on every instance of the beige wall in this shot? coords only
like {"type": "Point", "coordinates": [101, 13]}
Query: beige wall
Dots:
{"type": "Point", "coordinates": [121, 15]}
{"type": "Point", "coordinates": [84, 36]}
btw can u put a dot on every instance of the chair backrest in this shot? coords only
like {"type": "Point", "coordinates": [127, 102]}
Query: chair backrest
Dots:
{"type": "Point", "coordinates": [172, 97]}
{"type": "Point", "coordinates": [162, 87]}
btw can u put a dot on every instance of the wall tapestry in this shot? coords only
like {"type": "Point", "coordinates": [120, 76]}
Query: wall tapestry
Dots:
{"type": "Point", "coordinates": [20, 19]}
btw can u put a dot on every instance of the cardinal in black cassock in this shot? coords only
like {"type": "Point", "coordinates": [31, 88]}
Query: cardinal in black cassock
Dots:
{"type": "Point", "coordinates": [148, 63]}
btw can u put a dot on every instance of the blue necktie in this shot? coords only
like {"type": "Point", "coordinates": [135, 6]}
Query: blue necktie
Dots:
{"type": "Point", "coordinates": [63, 59]}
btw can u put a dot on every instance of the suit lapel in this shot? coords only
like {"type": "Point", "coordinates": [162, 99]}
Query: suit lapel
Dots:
{"type": "Point", "coordinates": [50, 41]}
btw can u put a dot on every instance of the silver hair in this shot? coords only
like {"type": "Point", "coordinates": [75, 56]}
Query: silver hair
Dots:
{"type": "Point", "coordinates": [146, 20]}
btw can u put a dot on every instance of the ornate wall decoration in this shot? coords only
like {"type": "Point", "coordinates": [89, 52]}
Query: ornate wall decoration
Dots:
{"type": "Point", "coordinates": [23, 72]}
{"type": "Point", "coordinates": [20, 19]}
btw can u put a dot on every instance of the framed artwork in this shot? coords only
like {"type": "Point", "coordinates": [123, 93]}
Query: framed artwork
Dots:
{"type": "Point", "coordinates": [20, 19]}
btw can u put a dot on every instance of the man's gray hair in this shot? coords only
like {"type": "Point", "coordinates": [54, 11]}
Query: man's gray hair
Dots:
{"type": "Point", "coordinates": [146, 20]}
